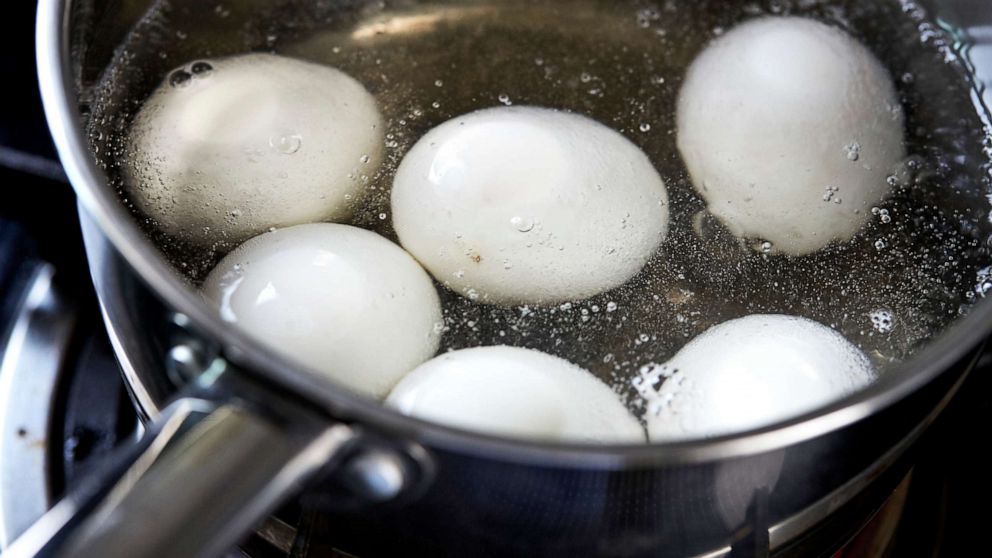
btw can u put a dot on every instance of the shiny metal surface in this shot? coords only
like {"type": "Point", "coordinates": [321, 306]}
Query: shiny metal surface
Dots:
{"type": "Point", "coordinates": [135, 363]}
{"type": "Point", "coordinates": [29, 371]}
{"type": "Point", "coordinates": [377, 475]}
{"type": "Point", "coordinates": [207, 475]}
{"type": "Point", "coordinates": [792, 528]}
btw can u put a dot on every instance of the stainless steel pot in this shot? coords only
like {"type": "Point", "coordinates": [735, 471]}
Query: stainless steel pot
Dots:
{"type": "Point", "coordinates": [235, 429]}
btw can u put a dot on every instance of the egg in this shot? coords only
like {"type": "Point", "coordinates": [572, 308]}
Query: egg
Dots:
{"type": "Point", "coordinates": [526, 205]}
{"type": "Point", "coordinates": [227, 148]}
{"type": "Point", "coordinates": [749, 373]}
{"type": "Point", "coordinates": [516, 393]}
{"type": "Point", "coordinates": [789, 129]}
{"type": "Point", "coordinates": [340, 300]}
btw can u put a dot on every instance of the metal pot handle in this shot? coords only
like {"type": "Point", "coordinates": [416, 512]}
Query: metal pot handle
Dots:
{"type": "Point", "coordinates": [196, 483]}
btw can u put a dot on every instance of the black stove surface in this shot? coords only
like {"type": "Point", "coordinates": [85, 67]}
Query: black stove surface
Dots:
{"type": "Point", "coordinates": [946, 508]}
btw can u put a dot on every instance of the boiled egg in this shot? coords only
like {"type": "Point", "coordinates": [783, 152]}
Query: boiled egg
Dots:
{"type": "Point", "coordinates": [749, 373]}
{"type": "Point", "coordinates": [341, 300]}
{"type": "Point", "coordinates": [516, 205]}
{"type": "Point", "coordinates": [227, 148]}
{"type": "Point", "coordinates": [517, 393]}
{"type": "Point", "coordinates": [789, 128]}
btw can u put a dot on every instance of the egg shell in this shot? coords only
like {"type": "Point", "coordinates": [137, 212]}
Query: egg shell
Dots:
{"type": "Point", "coordinates": [749, 373]}
{"type": "Point", "coordinates": [343, 301]}
{"type": "Point", "coordinates": [257, 141]}
{"type": "Point", "coordinates": [789, 128]}
{"type": "Point", "coordinates": [525, 205]}
{"type": "Point", "coordinates": [517, 393]}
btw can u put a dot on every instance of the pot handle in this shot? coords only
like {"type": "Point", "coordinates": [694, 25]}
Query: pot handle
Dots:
{"type": "Point", "coordinates": [199, 479]}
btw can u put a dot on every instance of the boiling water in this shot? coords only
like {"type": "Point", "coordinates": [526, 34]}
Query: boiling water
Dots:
{"type": "Point", "coordinates": [920, 263]}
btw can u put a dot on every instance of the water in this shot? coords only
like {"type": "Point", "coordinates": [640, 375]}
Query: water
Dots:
{"type": "Point", "coordinates": [919, 264]}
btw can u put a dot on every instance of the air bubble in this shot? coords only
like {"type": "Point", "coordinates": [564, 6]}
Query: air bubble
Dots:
{"type": "Point", "coordinates": [522, 224]}
{"type": "Point", "coordinates": [180, 78]}
{"type": "Point", "coordinates": [646, 16]}
{"type": "Point", "coordinates": [201, 68]}
{"type": "Point", "coordinates": [984, 283]}
{"type": "Point", "coordinates": [853, 151]}
{"type": "Point", "coordinates": [287, 144]}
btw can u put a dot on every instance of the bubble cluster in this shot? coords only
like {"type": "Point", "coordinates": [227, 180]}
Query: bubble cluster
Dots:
{"type": "Point", "coordinates": [882, 321]}
{"type": "Point", "coordinates": [922, 257]}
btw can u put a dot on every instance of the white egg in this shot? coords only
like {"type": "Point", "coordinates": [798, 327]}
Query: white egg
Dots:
{"type": "Point", "coordinates": [529, 205]}
{"type": "Point", "coordinates": [342, 300]}
{"type": "Point", "coordinates": [225, 149]}
{"type": "Point", "coordinates": [749, 373]}
{"type": "Point", "coordinates": [789, 129]}
{"type": "Point", "coordinates": [518, 393]}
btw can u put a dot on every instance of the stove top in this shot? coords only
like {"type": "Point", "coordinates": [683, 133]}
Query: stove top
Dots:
{"type": "Point", "coordinates": [63, 405]}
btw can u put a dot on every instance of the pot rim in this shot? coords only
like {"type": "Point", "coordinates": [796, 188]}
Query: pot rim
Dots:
{"type": "Point", "coordinates": [104, 208]}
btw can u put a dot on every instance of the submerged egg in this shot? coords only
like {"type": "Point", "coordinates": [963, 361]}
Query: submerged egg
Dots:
{"type": "Point", "coordinates": [519, 393]}
{"type": "Point", "coordinates": [228, 148]}
{"type": "Point", "coordinates": [748, 373]}
{"type": "Point", "coordinates": [789, 128]}
{"type": "Point", "coordinates": [342, 300]}
{"type": "Point", "coordinates": [529, 205]}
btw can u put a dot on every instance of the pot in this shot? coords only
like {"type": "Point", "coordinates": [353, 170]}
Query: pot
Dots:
{"type": "Point", "coordinates": [234, 430]}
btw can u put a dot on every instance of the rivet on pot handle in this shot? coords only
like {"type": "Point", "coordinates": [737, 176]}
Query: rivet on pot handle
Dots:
{"type": "Point", "coordinates": [205, 474]}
